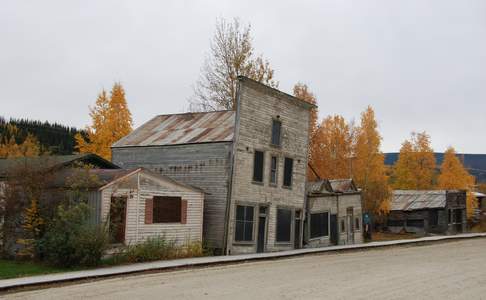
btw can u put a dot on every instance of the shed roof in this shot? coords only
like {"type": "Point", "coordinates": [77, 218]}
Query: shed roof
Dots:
{"type": "Point", "coordinates": [104, 177]}
{"type": "Point", "coordinates": [54, 161]}
{"type": "Point", "coordinates": [186, 128]}
{"type": "Point", "coordinates": [408, 200]}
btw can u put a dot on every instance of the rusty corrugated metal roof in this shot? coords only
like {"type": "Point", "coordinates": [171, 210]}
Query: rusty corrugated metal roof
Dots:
{"type": "Point", "coordinates": [187, 128]}
{"type": "Point", "coordinates": [408, 200]}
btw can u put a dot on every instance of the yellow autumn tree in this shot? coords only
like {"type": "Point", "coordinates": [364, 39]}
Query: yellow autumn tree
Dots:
{"type": "Point", "coordinates": [454, 176]}
{"type": "Point", "coordinates": [33, 224]}
{"type": "Point", "coordinates": [331, 149]}
{"type": "Point", "coordinates": [415, 167]}
{"type": "Point", "coordinates": [10, 149]}
{"type": "Point", "coordinates": [111, 120]}
{"type": "Point", "coordinates": [368, 165]}
{"type": "Point", "coordinates": [302, 92]}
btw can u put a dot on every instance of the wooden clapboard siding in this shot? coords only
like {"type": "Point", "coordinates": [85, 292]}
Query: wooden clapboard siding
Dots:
{"type": "Point", "coordinates": [149, 187]}
{"type": "Point", "coordinates": [257, 108]}
{"type": "Point", "coordinates": [202, 165]}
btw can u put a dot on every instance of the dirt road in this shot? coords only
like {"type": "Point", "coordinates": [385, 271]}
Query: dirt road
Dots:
{"type": "Point", "coordinates": [453, 270]}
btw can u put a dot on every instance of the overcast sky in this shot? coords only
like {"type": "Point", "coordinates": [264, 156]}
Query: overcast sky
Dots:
{"type": "Point", "coordinates": [420, 64]}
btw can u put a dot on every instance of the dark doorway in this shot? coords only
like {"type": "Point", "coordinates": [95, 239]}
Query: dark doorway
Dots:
{"type": "Point", "coordinates": [262, 222]}
{"type": "Point", "coordinates": [458, 220]}
{"type": "Point", "coordinates": [334, 230]}
{"type": "Point", "coordinates": [297, 230]}
{"type": "Point", "coordinates": [118, 212]}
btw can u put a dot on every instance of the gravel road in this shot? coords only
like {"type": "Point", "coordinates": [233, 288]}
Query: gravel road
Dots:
{"type": "Point", "coordinates": [452, 270]}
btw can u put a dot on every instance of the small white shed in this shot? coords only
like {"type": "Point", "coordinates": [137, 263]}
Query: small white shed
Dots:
{"type": "Point", "coordinates": [145, 204]}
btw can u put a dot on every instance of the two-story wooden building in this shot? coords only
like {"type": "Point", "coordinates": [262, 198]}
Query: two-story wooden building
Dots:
{"type": "Point", "coordinates": [251, 163]}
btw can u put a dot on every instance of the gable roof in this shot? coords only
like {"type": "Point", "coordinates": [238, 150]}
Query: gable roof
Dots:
{"type": "Point", "coordinates": [54, 161]}
{"type": "Point", "coordinates": [186, 128]}
{"type": "Point", "coordinates": [107, 177]}
{"type": "Point", "coordinates": [332, 186]}
{"type": "Point", "coordinates": [408, 200]}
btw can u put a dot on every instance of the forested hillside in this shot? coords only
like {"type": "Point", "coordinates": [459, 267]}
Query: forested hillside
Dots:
{"type": "Point", "coordinates": [54, 137]}
{"type": "Point", "coordinates": [475, 163]}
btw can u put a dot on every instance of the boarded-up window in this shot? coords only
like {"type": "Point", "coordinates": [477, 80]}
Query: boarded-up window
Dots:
{"type": "Point", "coordinates": [276, 132]}
{"type": "Point", "coordinates": [284, 224]}
{"type": "Point", "coordinates": [273, 170]}
{"type": "Point", "coordinates": [167, 210]}
{"type": "Point", "coordinates": [357, 224]}
{"type": "Point", "coordinates": [319, 224]}
{"type": "Point", "coordinates": [244, 223]}
{"type": "Point", "coordinates": [258, 167]}
{"type": "Point", "coordinates": [288, 166]}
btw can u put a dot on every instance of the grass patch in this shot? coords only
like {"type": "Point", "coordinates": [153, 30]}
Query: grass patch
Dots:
{"type": "Point", "coordinates": [389, 236]}
{"type": "Point", "coordinates": [12, 269]}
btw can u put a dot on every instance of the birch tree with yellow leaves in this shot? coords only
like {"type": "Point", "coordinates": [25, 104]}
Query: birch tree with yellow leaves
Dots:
{"type": "Point", "coordinates": [111, 120]}
{"type": "Point", "coordinates": [368, 167]}
{"type": "Point", "coordinates": [454, 176]}
{"type": "Point", "coordinates": [415, 167]}
{"type": "Point", "coordinates": [331, 148]}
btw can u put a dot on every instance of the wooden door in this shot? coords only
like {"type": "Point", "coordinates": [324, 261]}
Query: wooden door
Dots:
{"type": "Point", "coordinates": [334, 230]}
{"type": "Point", "coordinates": [262, 222]}
{"type": "Point", "coordinates": [118, 216]}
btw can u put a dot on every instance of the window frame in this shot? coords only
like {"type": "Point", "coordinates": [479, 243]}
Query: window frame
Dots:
{"type": "Point", "coordinates": [291, 172]}
{"type": "Point", "coordinates": [328, 225]}
{"type": "Point", "coordinates": [292, 225]}
{"type": "Point", "coordinates": [279, 142]}
{"type": "Point", "coordinates": [270, 182]}
{"type": "Point", "coordinates": [254, 222]}
{"type": "Point", "coordinates": [263, 167]}
{"type": "Point", "coordinates": [158, 199]}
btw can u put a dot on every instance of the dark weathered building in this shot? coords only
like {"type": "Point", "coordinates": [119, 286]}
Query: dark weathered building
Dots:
{"type": "Point", "coordinates": [251, 163]}
{"type": "Point", "coordinates": [422, 212]}
{"type": "Point", "coordinates": [334, 213]}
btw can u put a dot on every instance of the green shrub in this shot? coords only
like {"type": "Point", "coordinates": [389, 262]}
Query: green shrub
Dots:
{"type": "Point", "coordinates": [157, 248]}
{"type": "Point", "coordinates": [70, 240]}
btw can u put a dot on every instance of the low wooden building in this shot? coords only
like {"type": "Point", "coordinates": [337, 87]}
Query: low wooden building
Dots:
{"type": "Point", "coordinates": [139, 204]}
{"type": "Point", "coordinates": [334, 213]}
{"type": "Point", "coordinates": [423, 212]}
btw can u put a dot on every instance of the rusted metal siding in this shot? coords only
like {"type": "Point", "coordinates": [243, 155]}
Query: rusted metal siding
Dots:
{"type": "Point", "coordinates": [187, 128]}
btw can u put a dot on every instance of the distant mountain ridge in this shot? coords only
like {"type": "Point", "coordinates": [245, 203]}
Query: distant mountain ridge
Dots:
{"type": "Point", "coordinates": [476, 163]}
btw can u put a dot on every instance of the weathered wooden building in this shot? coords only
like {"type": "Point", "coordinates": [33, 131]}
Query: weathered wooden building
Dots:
{"type": "Point", "coordinates": [138, 204]}
{"type": "Point", "coordinates": [422, 212]}
{"type": "Point", "coordinates": [334, 213]}
{"type": "Point", "coordinates": [251, 162]}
